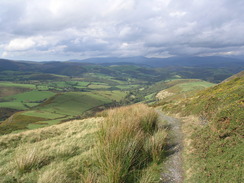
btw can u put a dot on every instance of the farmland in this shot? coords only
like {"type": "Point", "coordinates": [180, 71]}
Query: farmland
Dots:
{"type": "Point", "coordinates": [46, 102]}
{"type": "Point", "coordinates": [43, 94]}
{"type": "Point", "coordinates": [47, 107]}
{"type": "Point", "coordinates": [34, 104]}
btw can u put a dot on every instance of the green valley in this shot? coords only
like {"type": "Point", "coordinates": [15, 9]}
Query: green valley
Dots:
{"type": "Point", "coordinates": [121, 91]}
{"type": "Point", "coordinates": [77, 123]}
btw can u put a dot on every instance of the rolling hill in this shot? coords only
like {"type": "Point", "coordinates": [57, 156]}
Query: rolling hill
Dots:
{"type": "Point", "coordinates": [214, 69]}
{"type": "Point", "coordinates": [54, 109]}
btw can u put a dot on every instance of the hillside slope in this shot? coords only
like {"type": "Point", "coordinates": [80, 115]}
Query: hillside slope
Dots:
{"type": "Point", "coordinates": [58, 108]}
{"type": "Point", "coordinates": [181, 88]}
{"type": "Point", "coordinates": [216, 140]}
{"type": "Point", "coordinates": [89, 151]}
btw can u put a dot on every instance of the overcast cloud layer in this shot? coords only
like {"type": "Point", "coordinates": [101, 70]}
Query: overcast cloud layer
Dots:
{"type": "Point", "coordinates": [67, 29]}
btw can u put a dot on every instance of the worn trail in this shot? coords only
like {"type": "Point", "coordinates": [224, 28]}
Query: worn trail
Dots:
{"type": "Point", "coordinates": [173, 172]}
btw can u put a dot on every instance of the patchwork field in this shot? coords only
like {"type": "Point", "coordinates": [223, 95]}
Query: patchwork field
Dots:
{"type": "Point", "coordinates": [56, 109]}
{"type": "Point", "coordinates": [50, 102]}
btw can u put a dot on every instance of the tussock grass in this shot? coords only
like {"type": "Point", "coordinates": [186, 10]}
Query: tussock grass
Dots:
{"type": "Point", "coordinates": [89, 177]}
{"type": "Point", "coordinates": [123, 143]}
{"type": "Point", "coordinates": [30, 159]}
{"type": "Point", "coordinates": [155, 145]}
{"type": "Point", "coordinates": [148, 175]}
{"type": "Point", "coordinates": [51, 154]}
{"type": "Point", "coordinates": [53, 176]}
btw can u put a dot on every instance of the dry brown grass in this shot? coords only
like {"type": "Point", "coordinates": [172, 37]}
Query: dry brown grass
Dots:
{"type": "Point", "coordinates": [53, 175]}
{"type": "Point", "coordinates": [49, 154]}
{"type": "Point", "coordinates": [122, 141]}
{"type": "Point", "coordinates": [156, 144]}
{"type": "Point", "coordinates": [30, 159]}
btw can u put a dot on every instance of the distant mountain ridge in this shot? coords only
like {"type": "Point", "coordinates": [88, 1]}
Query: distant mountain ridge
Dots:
{"type": "Point", "coordinates": [211, 61]}
{"type": "Point", "coordinates": [213, 69]}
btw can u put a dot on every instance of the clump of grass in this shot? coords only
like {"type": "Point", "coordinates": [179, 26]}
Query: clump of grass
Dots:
{"type": "Point", "coordinates": [29, 160]}
{"type": "Point", "coordinates": [155, 145]}
{"type": "Point", "coordinates": [89, 177]}
{"type": "Point", "coordinates": [148, 175]}
{"type": "Point", "coordinates": [121, 142]}
{"type": "Point", "coordinates": [67, 151]}
{"type": "Point", "coordinates": [53, 176]}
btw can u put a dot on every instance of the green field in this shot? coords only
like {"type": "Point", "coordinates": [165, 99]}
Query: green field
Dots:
{"type": "Point", "coordinates": [13, 105]}
{"type": "Point", "coordinates": [12, 84]}
{"type": "Point", "coordinates": [99, 86]}
{"type": "Point", "coordinates": [68, 84]}
{"type": "Point", "coordinates": [127, 86]}
{"type": "Point", "coordinates": [33, 96]}
{"type": "Point", "coordinates": [73, 103]}
{"type": "Point", "coordinates": [195, 85]}
{"type": "Point", "coordinates": [181, 88]}
{"type": "Point", "coordinates": [47, 102]}
{"type": "Point", "coordinates": [111, 95]}
{"type": "Point", "coordinates": [25, 100]}
{"type": "Point", "coordinates": [56, 109]}
{"type": "Point", "coordinates": [43, 114]}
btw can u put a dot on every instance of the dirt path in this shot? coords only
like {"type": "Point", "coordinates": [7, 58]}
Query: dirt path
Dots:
{"type": "Point", "coordinates": [173, 172]}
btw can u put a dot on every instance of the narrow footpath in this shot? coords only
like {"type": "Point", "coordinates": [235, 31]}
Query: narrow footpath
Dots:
{"type": "Point", "coordinates": [173, 172]}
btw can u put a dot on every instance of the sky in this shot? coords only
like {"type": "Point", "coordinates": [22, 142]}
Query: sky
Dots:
{"type": "Point", "coordinates": [77, 29]}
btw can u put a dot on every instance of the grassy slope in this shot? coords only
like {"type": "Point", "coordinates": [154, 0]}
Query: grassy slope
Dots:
{"type": "Point", "coordinates": [181, 88]}
{"type": "Point", "coordinates": [111, 95]}
{"type": "Point", "coordinates": [77, 151]}
{"type": "Point", "coordinates": [73, 103]}
{"type": "Point", "coordinates": [11, 90]}
{"type": "Point", "coordinates": [52, 154]}
{"type": "Point", "coordinates": [54, 110]}
{"type": "Point", "coordinates": [217, 143]}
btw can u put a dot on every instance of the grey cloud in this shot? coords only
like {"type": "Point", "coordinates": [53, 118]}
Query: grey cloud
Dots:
{"type": "Point", "coordinates": [85, 28]}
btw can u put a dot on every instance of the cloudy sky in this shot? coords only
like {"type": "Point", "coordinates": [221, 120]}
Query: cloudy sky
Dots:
{"type": "Point", "coordinates": [77, 29]}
